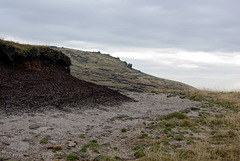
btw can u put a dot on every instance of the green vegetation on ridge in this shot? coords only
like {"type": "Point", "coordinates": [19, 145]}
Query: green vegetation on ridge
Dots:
{"type": "Point", "coordinates": [103, 69]}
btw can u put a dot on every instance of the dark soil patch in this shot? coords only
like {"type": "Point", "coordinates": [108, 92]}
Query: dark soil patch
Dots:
{"type": "Point", "coordinates": [38, 81]}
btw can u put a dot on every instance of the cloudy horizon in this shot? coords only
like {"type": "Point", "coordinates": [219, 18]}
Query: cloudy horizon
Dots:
{"type": "Point", "coordinates": [191, 41]}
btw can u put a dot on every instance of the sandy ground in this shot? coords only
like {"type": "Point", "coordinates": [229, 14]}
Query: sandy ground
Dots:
{"type": "Point", "coordinates": [104, 124]}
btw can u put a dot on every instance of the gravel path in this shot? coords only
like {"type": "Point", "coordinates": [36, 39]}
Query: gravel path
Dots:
{"type": "Point", "coordinates": [20, 135]}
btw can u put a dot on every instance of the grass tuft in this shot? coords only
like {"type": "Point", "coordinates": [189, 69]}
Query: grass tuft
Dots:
{"type": "Point", "coordinates": [177, 115]}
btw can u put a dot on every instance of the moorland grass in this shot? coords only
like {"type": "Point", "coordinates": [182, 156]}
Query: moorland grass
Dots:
{"type": "Point", "coordinates": [223, 133]}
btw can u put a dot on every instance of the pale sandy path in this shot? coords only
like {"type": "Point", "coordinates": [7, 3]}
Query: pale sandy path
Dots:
{"type": "Point", "coordinates": [17, 140]}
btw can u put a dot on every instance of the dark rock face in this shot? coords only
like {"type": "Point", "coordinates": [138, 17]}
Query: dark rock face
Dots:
{"type": "Point", "coordinates": [40, 77]}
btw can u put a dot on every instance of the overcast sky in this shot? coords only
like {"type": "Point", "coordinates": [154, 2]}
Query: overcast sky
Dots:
{"type": "Point", "coordinates": [193, 41]}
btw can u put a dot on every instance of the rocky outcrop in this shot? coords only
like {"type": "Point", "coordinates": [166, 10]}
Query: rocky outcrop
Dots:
{"type": "Point", "coordinates": [33, 77]}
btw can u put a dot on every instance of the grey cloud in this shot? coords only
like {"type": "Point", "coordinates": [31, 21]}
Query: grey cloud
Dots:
{"type": "Point", "coordinates": [210, 76]}
{"type": "Point", "coordinates": [192, 25]}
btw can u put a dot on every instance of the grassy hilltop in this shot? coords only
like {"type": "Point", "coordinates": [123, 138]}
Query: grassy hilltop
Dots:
{"type": "Point", "coordinates": [106, 70]}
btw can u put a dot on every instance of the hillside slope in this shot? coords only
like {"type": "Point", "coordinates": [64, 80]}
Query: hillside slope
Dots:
{"type": "Point", "coordinates": [35, 76]}
{"type": "Point", "coordinates": [106, 70]}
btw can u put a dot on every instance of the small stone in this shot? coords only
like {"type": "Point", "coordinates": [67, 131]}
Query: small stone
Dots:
{"type": "Point", "coordinates": [57, 147]}
{"type": "Point", "coordinates": [4, 158]}
{"type": "Point", "coordinates": [120, 117]}
{"type": "Point", "coordinates": [52, 142]}
{"type": "Point", "coordinates": [81, 155]}
{"type": "Point", "coordinates": [59, 156]}
{"type": "Point", "coordinates": [186, 110]}
{"type": "Point", "coordinates": [48, 137]}
{"type": "Point", "coordinates": [171, 94]}
{"type": "Point", "coordinates": [107, 127]}
{"type": "Point", "coordinates": [98, 158]}
{"type": "Point", "coordinates": [106, 134]}
{"type": "Point", "coordinates": [123, 137]}
{"type": "Point", "coordinates": [34, 126]}
{"type": "Point", "coordinates": [194, 108]}
{"type": "Point", "coordinates": [153, 126]}
{"type": "Point", "coordinates": [25, 155]}
{"type": "Point", "coordinates": [31, 114]}
{"type": "Point", "coordinates": [72, 144]}
{"type": "Point", "coordinates": [177, 145]}
{"type": "Point", "coordinates": [106, 144]}
{"type": "Point", "coordinates": [182, 96]}
{"type": "Point", "coordinates": [6, 143]}
{"type": "Point", "coordinates": [27, 140]}
{"type": "Point", "coordinates": [140, 137]}
{"type": "Point", "coordinates": [141, 144]}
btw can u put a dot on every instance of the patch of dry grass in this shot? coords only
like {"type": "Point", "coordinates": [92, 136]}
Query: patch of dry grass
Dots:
{"type": "Point", "coordinates": [204, 151]}
{"type": "Point", "coordinates": [225, 99]}
{"type": "Point", "coordinates": [223, 131]}
{"type": "Point", "coordinates": [158, 157]}
{"type": "Point", "coordinates": [22, 47]}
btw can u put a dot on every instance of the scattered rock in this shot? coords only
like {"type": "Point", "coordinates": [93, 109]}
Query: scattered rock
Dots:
{"type": "Point", "coordinates": [35, 126]}
{"type": "Point", "coordinates": [176, 131]}
{"type": "Point", "coordinates": [72, 143]}
{"type": "Point", "coordinates": [59, 156]}
{"type": "Point", "coordinates": [106, 144]}
{"type": "Point", "coordinates": [106, 134]}
{"type": "Point", "coordinates": [121, 117]}
{"type": "Point", "coordinates": [32, 114]}
{"type": "Point", "coordinates": [1, 145]}
{"type": "Point", "coordinates": [8, 136]}
{"type": "Point", "coordinates": [182, 96]}
{"type": "Point", "coordinates": [47, 137]}
{"type": "Point", "coordinates": [98, 158]}
{"type": "Point", "coordinates": [6, 143]}
{"type": "Point", "coordinates": [142, 117]}
{"type": "Point", "coordinates": [141, 144]}
{"type": "Point", "coordinates": [152, 126]}
{"type": "Point", "coordinates": [25, 155]}
{"type": "Point", "coordinates": [171, 94]}
{"type": "Point", "coordinates": [83, 156]}
{"type": "Point", "coordinates": [4, 158]}
{"type": "Point", "coordinates": [194, 108]}
{"type": "Point", "coordinates": [107, 127]}
{"type": "Point", "coordinates": [57, 147]}
{"type": "Point", "coordinates": [28, 140]}
{"type": "Point", "coordinates": [177, 145]}
{"type": "Point", "coordinates": [53, 142]}
{"type": "Point", "coordinates": [123, 137]}
{"type": "Point", "coordinates": [187, 110]}
{"type": "Point", "coordinates": [140, 137]}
